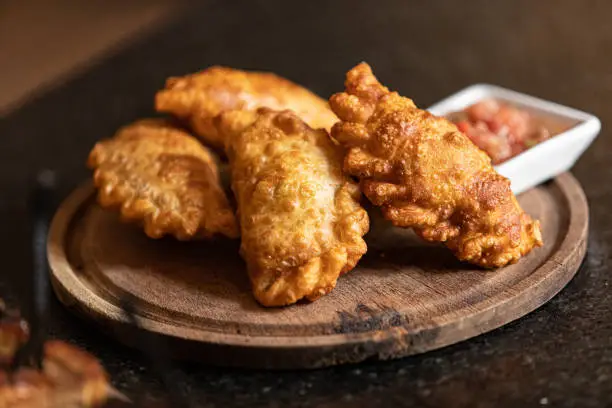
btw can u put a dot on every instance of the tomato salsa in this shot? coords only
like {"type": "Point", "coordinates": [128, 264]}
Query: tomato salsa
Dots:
{"type": "Point", "coordinates": [500, 129]}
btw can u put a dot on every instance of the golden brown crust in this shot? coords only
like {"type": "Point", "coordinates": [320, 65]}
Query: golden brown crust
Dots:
{"type": "Point", "coordinates": [426, 174]}
{"type": "Point", "coordinates": [300, 217]}
{"type": "Point", "coordinates": [14, 333]}
{"type": "Point", "coordinates": [200, 97]}
{"type": "Point", "coordinates": [161, 177]}
{"type": "Point", "coordinates": [70, 378]}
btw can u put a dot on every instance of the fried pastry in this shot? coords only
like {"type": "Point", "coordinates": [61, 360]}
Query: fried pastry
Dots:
{"type": "Point", "coordinates": [200, 97]}
{"type": "Point", "coordinates": [160, 176]}
{"type": "Point", "coordinates": [425, 174]}
{"type": "Point", "coordinates": [14, 332]}
{"type": "Point", "coordinates": [69, 377]}
{"type": "Point", "coordinates": [300, 218]}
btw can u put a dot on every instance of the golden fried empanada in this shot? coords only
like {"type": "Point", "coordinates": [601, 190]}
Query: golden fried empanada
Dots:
{"type": "Point", "coordinates": [200, 97]}
{"type": "Point", "coordinates": [300, 218]}
{"type": "Point", "coordinates": [160, 176]}
{"type": "Point", "coordinates": [425, 174]}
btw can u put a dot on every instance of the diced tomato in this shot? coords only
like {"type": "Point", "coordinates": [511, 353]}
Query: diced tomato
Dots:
{"type": "Point", "coordinates": [497, 148]}
{"type": "Point", "coordinates": [516, 122]}
{"type": "Point", "coordinates": [464, 126]}
{"type": "Point", "coordinates": [501, 130]}
{"type": "Point", "coordinates": [483, 110]}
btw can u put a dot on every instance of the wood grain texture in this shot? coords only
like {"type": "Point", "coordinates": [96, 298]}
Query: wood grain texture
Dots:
{"type": "Point", "coordinates": [405, 296]}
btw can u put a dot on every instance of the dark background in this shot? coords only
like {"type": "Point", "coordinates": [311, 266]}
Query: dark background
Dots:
{"type": "Point", "coordinates": [560, 355]}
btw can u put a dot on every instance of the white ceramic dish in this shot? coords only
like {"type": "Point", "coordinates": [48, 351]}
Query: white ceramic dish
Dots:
{"type": "Point", "coordinates": [577, 130]}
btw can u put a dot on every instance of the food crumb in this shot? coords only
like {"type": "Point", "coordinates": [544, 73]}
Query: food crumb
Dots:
{"type": "Point", "coordinates": [544, 401]}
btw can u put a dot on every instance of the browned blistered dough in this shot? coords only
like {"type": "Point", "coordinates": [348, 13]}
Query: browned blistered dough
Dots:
{"type": "Point", "coordinates": [300, 217]}
{"type": "Point", "coordinates": [160, 176]}
{"type": "Point", "coordinates": [200, 97]}
{"type": "Point", "coordinates": [70, 378]}
{"type": "Point", "coordinates": [425, 174]}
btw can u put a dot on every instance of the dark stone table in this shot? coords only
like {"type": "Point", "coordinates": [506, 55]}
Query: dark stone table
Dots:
{"type": "Point", "coordinates": [560, 355]}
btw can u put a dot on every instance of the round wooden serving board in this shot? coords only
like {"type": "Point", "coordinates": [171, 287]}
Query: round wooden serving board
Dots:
{"type": "Point", "coordinates": [404, 297]}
